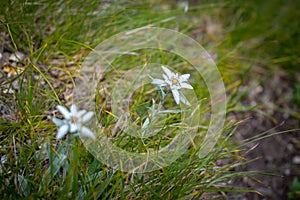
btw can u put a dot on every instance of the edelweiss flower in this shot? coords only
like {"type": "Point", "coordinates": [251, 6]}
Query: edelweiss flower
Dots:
{"type": "Point", "coordinates": [73, 122]}
{"type": "Point", "coordinates": [175, 82]}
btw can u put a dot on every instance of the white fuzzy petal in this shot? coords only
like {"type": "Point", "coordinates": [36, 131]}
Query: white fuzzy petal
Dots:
{"type": "Point", "coordinates": [73, 127]}
{"type": "Point", "coordinates": [186, 85]}
{"type": "Point", "coordinates": [64, 112]}
{"type": "Point", "coordinates": [166, 77]}
{"type": "Point", "coordinates": [87, 132]}
{"type": "Point", "coordinates": [176, 96]}
{"type": "Point", "coordinates": [87, 117]}
{"type": "Point", "coordinates": [158, 82]}
{"type": "Point", "coordinates": [167, 72]}
{"type": "Point", "coordinates": [57, 122]}
{"type": "Point", "coordinates": [185, 77]}
{"type": "Point", "coordinates": [73, 109]}
{"type": "Point", "coordinates": [63, 130]}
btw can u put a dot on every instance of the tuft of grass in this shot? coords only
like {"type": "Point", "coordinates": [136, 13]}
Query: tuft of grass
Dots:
{"type": "Point", "coordinates": [57, 35]}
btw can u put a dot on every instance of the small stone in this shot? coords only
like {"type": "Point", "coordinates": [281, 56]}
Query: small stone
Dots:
{"type": "Point", "coordinates": [3, 159]}
{"type": "Point", "coordinates": [259, 89]}
{"type": "Point", "coordinates": [8, 91]}
{"type": "Point", "coordinates": [296, 160]}
{"type": "Point", "coordinates": [16, 57]}
{"type": "Point", "coordinates": [287, 172]}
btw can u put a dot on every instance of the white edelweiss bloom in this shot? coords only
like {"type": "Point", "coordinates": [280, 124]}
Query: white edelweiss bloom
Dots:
{"type": "Point", "coordinates": [175, 82]}
{"type": "Point", "coordinates": [73, 122]}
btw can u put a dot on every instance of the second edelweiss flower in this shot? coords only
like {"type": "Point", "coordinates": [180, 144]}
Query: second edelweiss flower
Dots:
{"type": "Point", "coordinates": [175, 82]}
{"type": "Point", "coordinates": [73, 122]}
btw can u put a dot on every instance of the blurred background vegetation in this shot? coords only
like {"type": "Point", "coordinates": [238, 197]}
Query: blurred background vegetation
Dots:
{"type": "Point", "coordinates": [256, 46]}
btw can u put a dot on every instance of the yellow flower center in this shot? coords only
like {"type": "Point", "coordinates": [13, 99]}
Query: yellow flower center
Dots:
{"type": "Point", "coordinates": [175, 81]}
{"type": "Point", "coordinates": [74, 119]}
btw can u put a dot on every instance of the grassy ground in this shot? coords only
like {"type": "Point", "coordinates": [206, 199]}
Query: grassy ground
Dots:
{"type": "Point", "coordinates": [255, 45]}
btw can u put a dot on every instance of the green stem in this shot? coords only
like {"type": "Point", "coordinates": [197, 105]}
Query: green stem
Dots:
{"type": "Point", "coordinates": [66, 161]}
